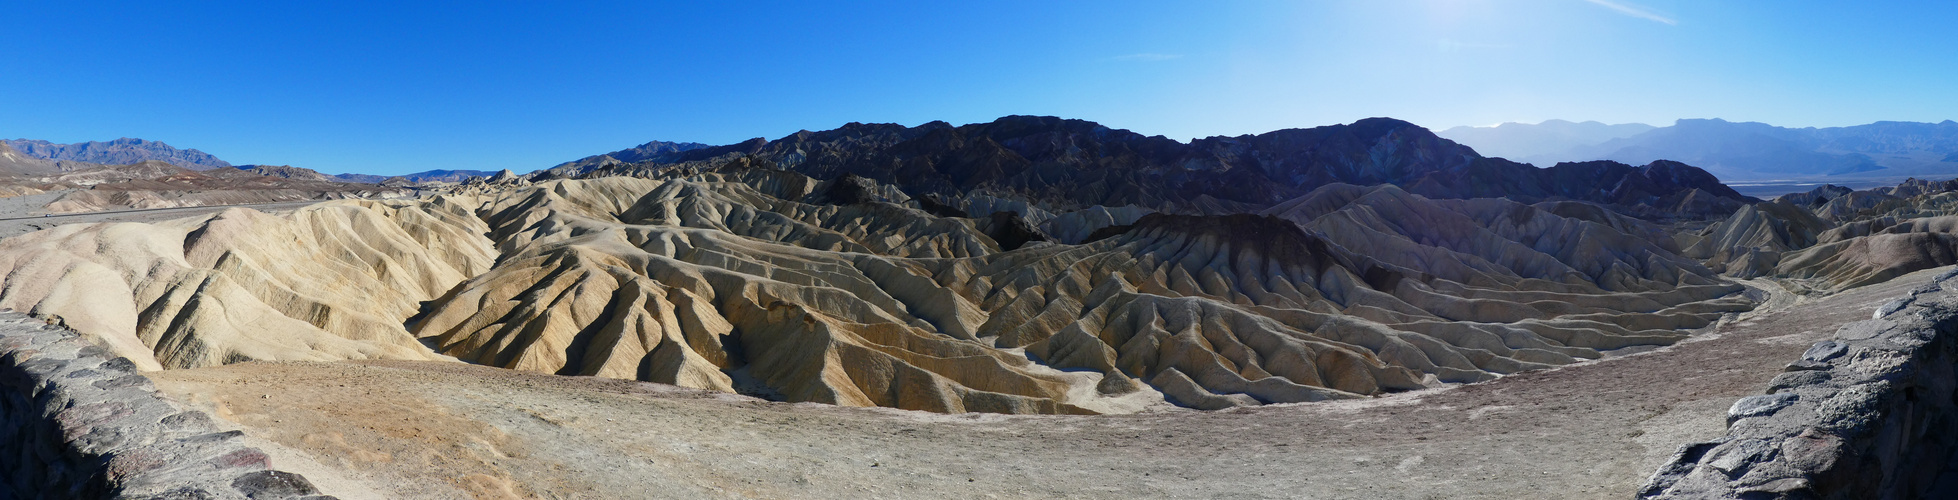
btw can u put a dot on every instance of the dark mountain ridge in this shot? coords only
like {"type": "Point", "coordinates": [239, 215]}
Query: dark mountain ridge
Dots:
{"type": "Point", "coordinates": [1077, 163]}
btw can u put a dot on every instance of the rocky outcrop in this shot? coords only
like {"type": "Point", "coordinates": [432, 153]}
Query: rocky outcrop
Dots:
{"type": "Point", "coordinates": [1831, 239]}
{"type": "Point", "coordinates": [78, 422]}
{"type": "Point", "coordinates": [1750, 242]}
{"type": "Point", "coordinates": [1814, 197]}
{"type": "Point", "coordinates": [291, 172]}
{"type": "Point", "coordinates": [1872, 413]}
{"type": "Point", "coordinates": [1873, 251]}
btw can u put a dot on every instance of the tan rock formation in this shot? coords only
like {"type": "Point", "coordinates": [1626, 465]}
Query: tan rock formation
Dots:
{"type": "Point", "coordinates": [771, 283]}
{"type": "Point", "coordinates": [695, 279]}
{"type": "Point", "coordinates": [331, 281]}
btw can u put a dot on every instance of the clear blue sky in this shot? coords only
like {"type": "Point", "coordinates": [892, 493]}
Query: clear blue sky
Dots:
{"type": "Point", "coordinates": [385, 88]}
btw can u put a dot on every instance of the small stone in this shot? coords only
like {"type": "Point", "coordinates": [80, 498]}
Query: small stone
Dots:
{"type": "Point", "coordinates": [78, 420]}
{"type": "Point", "coordinates": [1754, 406]}
{"type": "Point", "coordinates": [213, 437]}
{"type": "Point", "coordinates": [185, 493]}
{"type": "Point", "coordinates": [123, 465]}
{"type": "Point", "coordinates": [1741, 454]}
{"type": "Point", "coordinates": [101, 438]}
{"type": "Point", "coordinates": [1932, 287]}
{"type": "Point", "coordinates": [273, 484]}
{"type": "Point", "coordinates": [1852, 411]}
{"type": "Point", "coordinates": [1825, 350]}
{"type": "Point", "coordinates": [122, 381]}
{"type": "Point", "coordinates": [42, 366]}
{"type": "Point", "coordinates": [1890, 307]}
{"type": "Point", "coordinates": [1794, 379]}
{"type": "Point", "coordinates": [1863, 330]}
{"type": "Point", "coordinates": [190, 420]}
{"type": "Point", "coordinates": [1779, 486]}
{"type": "Point", "coordinates": [91, 351]}
{"type": "Point", "coordinates": [1811, 451]}
{"type": "Point", "coordinates": [119, 364]}
{"type": "Point", "coordinates": [1946, 275]}
{"type": "Point", "coordinates": [247, 457]}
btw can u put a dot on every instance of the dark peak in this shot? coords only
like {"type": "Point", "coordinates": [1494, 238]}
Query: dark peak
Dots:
{"type": "Point", "coordinates": [1381, 122]}
{"type": "Point", "coordinates": [1366, 130]}
{"type": "Point", "coordinates": [1012, 126]}
{"type": "Point", "coordinates": [1265, 236]}
{"type": "Point", "coordinates": [871, 127]}
{"type": "Point", "coordinates": [1374, 128]}
{"type": "Point", "coordinates": [1592, 164]}
{"type": "Point", "coordinates": [1010, 230]}
{"type": "Point", "coordinates": [1271, 235]}
{"type": "Point", "coordinates": [670, 144]}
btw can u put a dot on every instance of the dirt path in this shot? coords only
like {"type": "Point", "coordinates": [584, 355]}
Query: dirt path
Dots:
{"type": "Point", "coordinates": [436, 430]}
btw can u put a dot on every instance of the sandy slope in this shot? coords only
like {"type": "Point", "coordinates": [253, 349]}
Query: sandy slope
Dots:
{"type": "Point", "coordinates": [22, 214]}
{"type": "Point", "coordinates": [435, 430]}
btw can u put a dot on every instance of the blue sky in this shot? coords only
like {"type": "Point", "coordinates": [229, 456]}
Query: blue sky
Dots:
{"type": "Point", "coordinates": [390, 88]}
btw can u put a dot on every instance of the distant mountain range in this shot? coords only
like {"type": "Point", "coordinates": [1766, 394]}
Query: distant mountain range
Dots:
{"type": "Point", "coordinates": [291, 172]}
{"type": "Point", "coordinates": [655, 151]}
{"type": "Point", "coordinates": [1735, 151]}
{"type": "Point", "coordinates": [122, 151]}
{"type": "Point", "coordinates": [1519, 141]}
{"type": "Point", "coordinates": [1076, 163]}
{"type": "Point", "coordinates": [30, 156]}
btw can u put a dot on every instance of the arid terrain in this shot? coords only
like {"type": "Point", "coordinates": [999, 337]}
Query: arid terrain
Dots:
{"type": "Point", "coordinates": [441, 430]}
{"type": "Point", "coordinates": [1383, 313]}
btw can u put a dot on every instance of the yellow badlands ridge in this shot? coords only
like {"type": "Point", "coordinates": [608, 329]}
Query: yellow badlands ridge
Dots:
{"type": "Point", "coordinates": [732, 282]}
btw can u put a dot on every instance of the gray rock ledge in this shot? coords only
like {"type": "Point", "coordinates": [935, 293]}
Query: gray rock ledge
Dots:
{"type": "Point", "coordinates": [77, 423]}
{"type": "Point", "coordinates": [1870, 414]}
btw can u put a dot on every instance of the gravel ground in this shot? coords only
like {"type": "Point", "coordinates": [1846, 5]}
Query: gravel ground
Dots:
{"type": "Point", "coordinates": [443, 430]}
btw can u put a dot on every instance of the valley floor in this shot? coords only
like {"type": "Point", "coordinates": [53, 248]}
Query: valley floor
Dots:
{"type": "Point", "coordinates": [436, 430]}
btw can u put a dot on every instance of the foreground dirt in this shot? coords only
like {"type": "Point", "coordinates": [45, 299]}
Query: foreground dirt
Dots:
{"type": "Point", "coordinates": [446, 430]}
